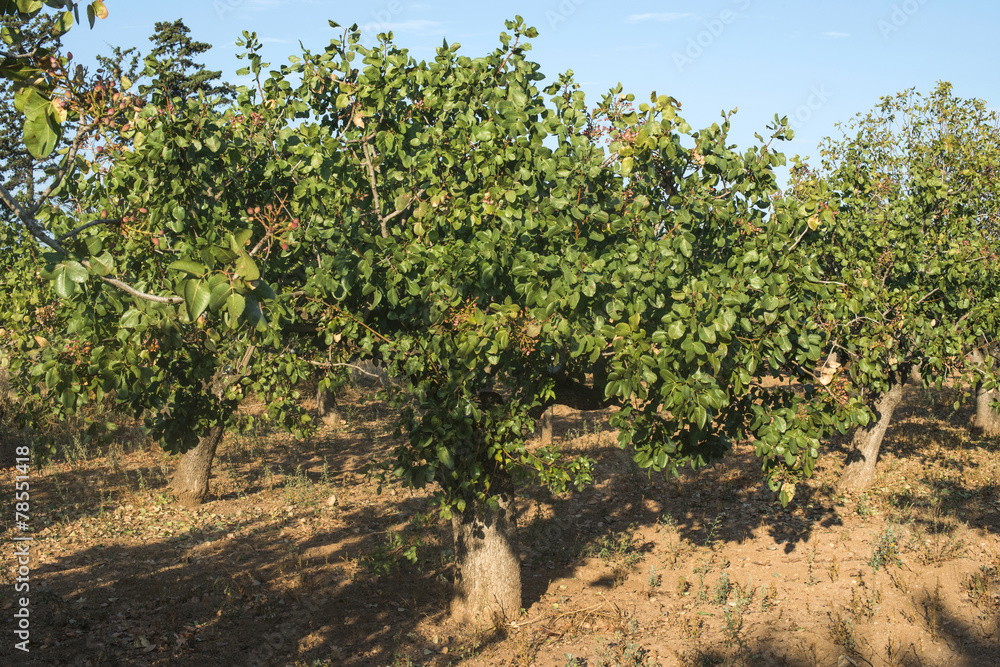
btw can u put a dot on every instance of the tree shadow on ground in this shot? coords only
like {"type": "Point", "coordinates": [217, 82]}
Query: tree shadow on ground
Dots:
{"type": "Point", "coordinates": [328, 581]}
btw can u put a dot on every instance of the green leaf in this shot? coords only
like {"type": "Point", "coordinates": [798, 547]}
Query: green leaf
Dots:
{"type": "Point", "coordinates": [235, 305]}
{"type": "Point", "coordinates": [246, 268]}
{"type": "Point", "coordinates": [65, 287]}
{"type": "Point", "coordinates": [41, 134]}
{"type": "Point", "coordinates": [196, 298]}
{"type": "Point", "coordinates": [130, 319]}
{"type": "Point", "coordinates": [76, 272]}
{"type": "Point", "coordinates": [64, 24]}
{"type": "Point", "coordinates": [219, 295]}
{"type": "Point", "coordinates": [445, 457]}
{"type": "Point", "coordinates": [212, 143]}
{"type": "Point", "coordinates": [103, 264]}
{"type": "Point", "coordinates": [187, 266]}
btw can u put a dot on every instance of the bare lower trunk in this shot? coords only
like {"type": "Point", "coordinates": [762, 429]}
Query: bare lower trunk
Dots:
{"type": "Point", "coordinates": [326, 405]}
{"type": "Point", "coordinates": [859, 471]}
{"type": "Point", "coordinates": [190, 480]}
{"type": "Point", "coordinates": [488, 582]}
{"type": "Point", "coordinates": [987, 419]}
{"type": "Point", "coordinates": [545, 425]}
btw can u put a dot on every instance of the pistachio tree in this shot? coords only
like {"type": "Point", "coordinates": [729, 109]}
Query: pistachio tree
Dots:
{"type": "Point", "coordinates": [913, 252]}
{"type": "Point", "coordinates": [162, 231]}
{"type": "Point", "coordinates": [458, 224]}
{"type": "Point", "coordinates": [471, 235]}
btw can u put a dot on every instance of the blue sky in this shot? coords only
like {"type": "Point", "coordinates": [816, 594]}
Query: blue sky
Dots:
{"type": "Point", "coordinates": [816, 62]}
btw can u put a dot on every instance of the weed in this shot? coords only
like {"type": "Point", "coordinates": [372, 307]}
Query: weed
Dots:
{"type": "Point", "coordinates": [812, 580]}
{"type": "Point", "coordinates": [979, 586]}
{"type": "Point", "coordinates": [683, 586]}
{"type": "Point", "coordinates": [712, 538]}
{"type": "Point", "coordinates": [620, 552]}
{"type": "Point", "coordinates": [899, 581]}
{"type": "Point", "coordinates": [865, 510]}
{"type": "Point", "coordinates": [690, 627]}
{"type": "Point", "coordinates": [769, 597]}
{"type": "Point", "coordinates": [387, 557]}
{"type": "Point", "coordinates": [937, 543]}
{"type": "Point", "coordinates": [842, 632]}
{"type": "Point", "coordinates": [834, 569]}
{"type": "Point", "coordinates": [886, 550]}
{"type": "Point", "coordinates": [720, 595]}
{"type": "Point", "coordinates": [654, 579]}
{"type": "Point", "coordinates": [702, 589]}
{"type": "Point", "coordinates": [865, 602]}
{"type": "Point", "coordinates": [933, 605]}
{"type": "Point", "coordinates": [624, 653]}
{"type": "Point", "coordinates": [744, 594]}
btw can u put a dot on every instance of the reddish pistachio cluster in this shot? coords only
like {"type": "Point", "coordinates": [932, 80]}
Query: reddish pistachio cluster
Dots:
{"type": "Point", "coordinates": [253, 120]}
{"type": "Point", "coordinates": [45, 314]}
{"type": "Point", "coordinates": [76, 351]}
{"type": "Point", "coordinates": [273, 220]}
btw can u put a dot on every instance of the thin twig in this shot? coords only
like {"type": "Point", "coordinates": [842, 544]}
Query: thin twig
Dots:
{"type": "Point", "coordinates": [321, 364]}
{"type": "Point", "coordinates": [556, 618]}
{"type": "Point", "coordinates": [375, 198]}
{"type": "Point", "coordinates": [81, 135]}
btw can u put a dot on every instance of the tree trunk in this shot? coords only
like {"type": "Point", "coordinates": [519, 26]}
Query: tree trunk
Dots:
{"type": "Point", "coordinates": [859, 471]}
{"type": "Point", "coordinates": [326, 405]}
{"type": "Point", "coordinates": [190, 480]}
{"type": "Point", "coordinates": [545, 425]}
{"type": "Point", "coordinates": [987, 420]}
{"type": "Point", "coordinates": [488, 582]}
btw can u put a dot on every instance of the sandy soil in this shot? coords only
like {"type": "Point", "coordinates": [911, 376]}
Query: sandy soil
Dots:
{"type": "Point", "coordinates": [296, 560]}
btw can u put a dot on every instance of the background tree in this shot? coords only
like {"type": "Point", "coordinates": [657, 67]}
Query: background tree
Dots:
{"type": "Point", "coordinates": [17, 166]}
{"type": "Point", "coordinates": [174, 72]}
{"type": "Point", "coordinates": [913, 253]}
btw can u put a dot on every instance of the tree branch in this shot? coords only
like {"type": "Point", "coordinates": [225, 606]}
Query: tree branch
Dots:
{"type": "Point", "coordinates": [321, 364]}
{"type": "Point", "coordinates": [93, 223]}
{"type": "Point", "coordinates": [81, 135]}
{"type": "Point", "coordinates": [42, 236]}
{"type": "Point", "coordinates": [375, 198]}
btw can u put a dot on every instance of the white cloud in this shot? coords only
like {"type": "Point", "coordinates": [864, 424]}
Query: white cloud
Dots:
{"type": "Point", "coordinates": [662, 17]}
{"type": "Point", "coordinates": [836, 35]}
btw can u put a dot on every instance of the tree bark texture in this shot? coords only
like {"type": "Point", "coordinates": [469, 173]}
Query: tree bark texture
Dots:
{"type": "Point", "coordinates": [326, 406]}
{"type": "Point", "coordinates": [987, 419]}
{"type": "Point", "coordinates": [859, 471]}
{"type": "Point", "coordinates": [488, 582]}
{"type": "Point", "coordinates": [190, 480]}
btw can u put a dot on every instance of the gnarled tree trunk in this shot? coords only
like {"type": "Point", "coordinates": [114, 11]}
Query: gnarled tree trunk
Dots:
{"type": "Point", "coordinates": [859, 471]}
{"type": "Point", "coordinates": [326, 406]}
{"type": "Point", "coordinates": [190, 480]}
{"type": "Point", "coordinates": [987, 419]}
{"type": "Point", "coordinates": [488, 582]}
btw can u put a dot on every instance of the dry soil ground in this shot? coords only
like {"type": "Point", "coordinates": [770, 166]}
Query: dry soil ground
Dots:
{"type": "Point", "coordinates": [296, 560]}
